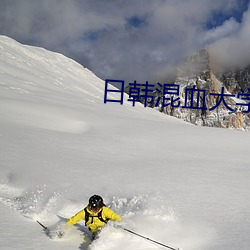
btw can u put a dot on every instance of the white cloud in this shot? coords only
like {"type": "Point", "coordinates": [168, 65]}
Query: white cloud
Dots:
{"type": "Point", "coordinates": [228, 28]}
{"type": "Point", "coordinates": [98, 34]}
{"type": "Point", "coordinates": [233, 49]}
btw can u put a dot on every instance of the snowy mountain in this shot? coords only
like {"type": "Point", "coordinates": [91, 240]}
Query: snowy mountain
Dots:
{"type": "Point", "coordinates": [236, 79]}
{"type": "Point", "coordinates": [200, 70]}
{"type": "Point", "coordinates": [207, 95]}
{"type": "Point", "coordinates": [183, 185]}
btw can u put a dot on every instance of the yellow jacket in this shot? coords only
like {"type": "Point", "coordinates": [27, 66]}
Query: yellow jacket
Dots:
{"type": "Point", "coordinates": [94, 223]}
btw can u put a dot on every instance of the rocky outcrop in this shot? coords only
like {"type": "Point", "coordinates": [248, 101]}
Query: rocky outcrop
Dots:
{"type": "Point", "coordinates": [197, 71]}
{"type": "Point", "coordinates": [236, 79]}
{"type": "Point", "coordinates": [201, 87]}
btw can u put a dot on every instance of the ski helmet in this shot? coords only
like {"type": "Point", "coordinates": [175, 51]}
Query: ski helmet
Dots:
{"type": "Point", "coordinates": [95, 202]}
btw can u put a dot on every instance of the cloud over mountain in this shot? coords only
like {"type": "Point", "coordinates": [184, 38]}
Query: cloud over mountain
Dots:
{"type": "Point", "coordinates": [129, 40]}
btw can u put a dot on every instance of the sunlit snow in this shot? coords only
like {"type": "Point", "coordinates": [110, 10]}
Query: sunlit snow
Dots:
{"type": "Point", "coordinates": [179, 184]}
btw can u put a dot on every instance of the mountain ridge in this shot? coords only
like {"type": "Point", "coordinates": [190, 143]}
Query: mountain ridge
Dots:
{"type": "Point", "coordinates": [200, 71]}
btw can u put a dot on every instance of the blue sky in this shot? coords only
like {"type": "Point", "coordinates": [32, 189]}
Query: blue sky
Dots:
{"type": "Point", "coordinates": [131, 39]}
{"type": "Point", "coordinates": [218, 17]}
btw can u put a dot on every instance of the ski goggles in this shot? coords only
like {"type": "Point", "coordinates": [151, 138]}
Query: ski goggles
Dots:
{"type": "Point", "coordinates": [94, 208]}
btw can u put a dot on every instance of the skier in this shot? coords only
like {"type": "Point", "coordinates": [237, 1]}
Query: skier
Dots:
{"type": "Point", "coordinates": [95, 214]}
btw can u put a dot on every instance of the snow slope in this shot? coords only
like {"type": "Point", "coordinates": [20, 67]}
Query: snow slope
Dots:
{"type": "Point", "coordinates": [179, 184]}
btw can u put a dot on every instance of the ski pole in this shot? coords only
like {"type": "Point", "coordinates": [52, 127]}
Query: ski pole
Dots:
{"type": "Point", "coordinates": [146, 238]}
{"type": "Point", "coordinates": [45, 228]}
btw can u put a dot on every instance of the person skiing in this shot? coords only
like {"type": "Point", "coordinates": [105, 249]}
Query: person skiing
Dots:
{"type": "Point", "coordinates": [95, 214]}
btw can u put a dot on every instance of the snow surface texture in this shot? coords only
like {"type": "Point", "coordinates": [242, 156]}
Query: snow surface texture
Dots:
{"type": "Point", "coordinates": [179, 184]}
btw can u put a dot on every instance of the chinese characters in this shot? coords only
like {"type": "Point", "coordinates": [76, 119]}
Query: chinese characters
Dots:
{"type": "Point", "coordinates": [169, 95]}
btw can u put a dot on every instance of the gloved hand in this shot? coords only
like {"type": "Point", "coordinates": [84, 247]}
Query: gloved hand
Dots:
{"type": "Point", "coordinates": [60, 233]}
{"type": "Point", "coordinates": [62, 230]}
